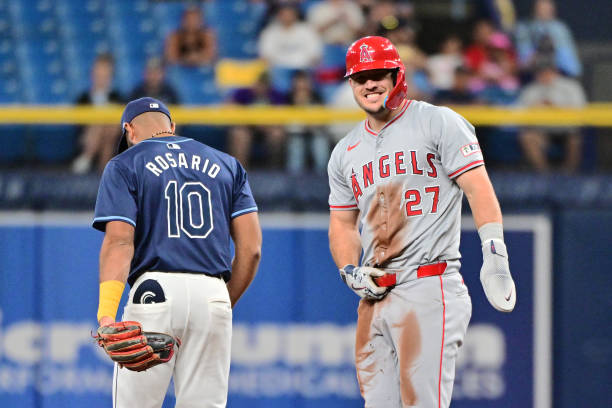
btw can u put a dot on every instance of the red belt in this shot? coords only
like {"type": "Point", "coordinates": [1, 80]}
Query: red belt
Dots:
{"type": "Point", "coordinates": [423, 271]}
{"type": "Point", "coordinates": [431, 270]}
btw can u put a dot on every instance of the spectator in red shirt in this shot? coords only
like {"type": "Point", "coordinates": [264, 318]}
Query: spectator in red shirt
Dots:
{"type": "Point", "coordinates": [476, 53]}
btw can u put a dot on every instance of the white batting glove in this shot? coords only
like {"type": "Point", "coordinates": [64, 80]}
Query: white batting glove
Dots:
{"type": "Point", "coordinates": [360, 279]}
{"type": "Point", "coordinates": [495, 275]}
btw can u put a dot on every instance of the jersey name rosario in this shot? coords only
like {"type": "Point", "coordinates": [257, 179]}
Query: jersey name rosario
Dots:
{"type": "Point", "coordinates": [161, 163]}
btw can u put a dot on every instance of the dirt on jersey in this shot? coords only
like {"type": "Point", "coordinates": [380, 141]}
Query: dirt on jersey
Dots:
{"type": "Point", "coordinates": [390, 227]}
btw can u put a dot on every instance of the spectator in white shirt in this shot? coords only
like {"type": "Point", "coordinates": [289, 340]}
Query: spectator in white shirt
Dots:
{"type": "Point", "coordinates": [442, 66]}
{"type": "Point", "coordinates": [289, 43]}
{"type": "Point", "coordinates": [338, 21]}
{"type": "Point", "coordinates": [550, 88]}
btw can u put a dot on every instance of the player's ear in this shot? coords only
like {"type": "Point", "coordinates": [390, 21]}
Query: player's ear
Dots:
{"type": "Point", "coordinates": [129, 133]}
{"type": "Point", "coordinates": [172, 126]}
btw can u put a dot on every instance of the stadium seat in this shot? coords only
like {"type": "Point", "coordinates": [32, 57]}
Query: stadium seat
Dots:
{"type": "Point", "coordinates": [14, 144]}
{"type": "Point", "coordinates": [231, 73]}
{"type": "Point", "coordinates": [195, 85]}
{"type": "Point", "coordinates": [281, 78]}
{"type": "Point", "coordinates": [213, 136]}
{"type": "Point", "coordinates": [53, 144]}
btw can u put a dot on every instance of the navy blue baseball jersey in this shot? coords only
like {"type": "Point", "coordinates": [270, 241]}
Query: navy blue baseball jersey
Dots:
{"type": "Point", "coordinates": [180, 195]}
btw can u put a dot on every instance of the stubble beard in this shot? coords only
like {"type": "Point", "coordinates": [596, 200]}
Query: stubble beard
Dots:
{"type": "Point", "coordinates": [373, 112]}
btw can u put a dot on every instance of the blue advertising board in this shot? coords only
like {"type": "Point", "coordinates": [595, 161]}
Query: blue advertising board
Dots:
{"type": "Point", "coordinates": [293, 339]}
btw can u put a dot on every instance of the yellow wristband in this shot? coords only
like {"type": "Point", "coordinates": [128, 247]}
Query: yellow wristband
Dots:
{"type": "Point", "coordinates": [110, 295]}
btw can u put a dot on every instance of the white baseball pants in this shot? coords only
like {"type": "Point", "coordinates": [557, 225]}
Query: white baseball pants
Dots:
{"type": "Point", "coordinates": [407, 343]}
{"type": "Point", "coordinates": [198, 312]}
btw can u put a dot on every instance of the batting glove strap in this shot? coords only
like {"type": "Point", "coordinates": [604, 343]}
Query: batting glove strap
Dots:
{"type": "Point", "coordinates": [495, 275]}
{"type": "Point", "coordinates": [361, 281]}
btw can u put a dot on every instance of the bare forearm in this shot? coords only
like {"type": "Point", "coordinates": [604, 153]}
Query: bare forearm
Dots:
{"type": "Point", "coordinates": [244, 268]}
{"type": "Point", "coordinates": [115, 260]}
{"type": "Point", "coordinates": [481, 196]}
{"type": "Point", "coordinates": [485, 207]}
{"type": "Point", "coordinates": [345, 245]}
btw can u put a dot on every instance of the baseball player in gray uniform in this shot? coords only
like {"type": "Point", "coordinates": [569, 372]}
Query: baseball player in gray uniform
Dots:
{"type": "Point", "coordinates": [397, 182]}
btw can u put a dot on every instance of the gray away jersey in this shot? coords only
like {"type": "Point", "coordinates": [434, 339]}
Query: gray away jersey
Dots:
{"type": "Point", "coordinates": [401, 181]}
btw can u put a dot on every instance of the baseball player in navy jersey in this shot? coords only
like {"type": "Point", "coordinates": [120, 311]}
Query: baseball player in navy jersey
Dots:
{"type": "Point", "coordinates": [397, 181]}
{"type": "Point", "coordinates": [169, 206]}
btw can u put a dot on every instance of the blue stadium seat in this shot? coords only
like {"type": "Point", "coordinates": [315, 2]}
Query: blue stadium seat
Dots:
{"type": "Point", "coordinates": [167, 16]}
{"type": "Point", "coordinates": [213, 136]}
{"type": "Point", "coordinates": [195, 85]}
{"type": "Point", "coordinates": [333, 56]}
{"type": "Point", "coordinates": [53, 144]}
{"type": "Point", "coordinates": [237, 28]}
{"type": "Point", "coordinates": [281, 78]}
{"type": "Point", "coordinates": [14, 144]}
{"type": "Point", "coordinates": [10, 91]}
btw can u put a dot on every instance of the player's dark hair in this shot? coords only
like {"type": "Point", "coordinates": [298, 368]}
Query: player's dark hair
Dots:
{"type": "Point", "coordinates": [394, 76]}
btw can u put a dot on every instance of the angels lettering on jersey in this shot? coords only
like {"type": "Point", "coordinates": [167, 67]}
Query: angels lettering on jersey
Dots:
{"type": "Point", "coordinates": [391, 165]}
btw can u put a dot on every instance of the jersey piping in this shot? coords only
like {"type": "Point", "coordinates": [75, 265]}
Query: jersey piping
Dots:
{"type": "Point", "coordinates": [114, 218]}
{"type": "Point", "coordinates": [246, 210]}
{"type": "Point", "coordinates": [465, 168]}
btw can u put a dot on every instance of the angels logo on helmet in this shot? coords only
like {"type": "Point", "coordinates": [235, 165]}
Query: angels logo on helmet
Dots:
{"type": "Point", "coordinates": [365, 56]}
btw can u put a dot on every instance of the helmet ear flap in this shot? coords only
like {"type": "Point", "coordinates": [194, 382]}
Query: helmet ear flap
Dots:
{"type": "Point", "coordinates": [398, 93]}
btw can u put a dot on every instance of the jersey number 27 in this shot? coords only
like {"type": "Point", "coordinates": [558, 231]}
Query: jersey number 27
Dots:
{"type": "Point", "coordinates": [189, 209]}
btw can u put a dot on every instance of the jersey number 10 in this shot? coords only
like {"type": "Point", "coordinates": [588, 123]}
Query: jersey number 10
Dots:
{"type": "Point", "coordinates": [189, 210]}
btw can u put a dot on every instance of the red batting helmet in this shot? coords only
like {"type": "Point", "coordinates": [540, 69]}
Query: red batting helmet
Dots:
{"type": "Point", "coordinates": [373, 52]}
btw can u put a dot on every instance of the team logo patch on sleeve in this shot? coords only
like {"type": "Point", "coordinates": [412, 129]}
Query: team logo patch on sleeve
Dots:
{"type": "Point", "coordinates": [470, 149]}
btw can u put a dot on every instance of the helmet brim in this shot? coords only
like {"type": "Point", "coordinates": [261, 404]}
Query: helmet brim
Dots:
{"type": "Point", "coordinates": [369, 66]}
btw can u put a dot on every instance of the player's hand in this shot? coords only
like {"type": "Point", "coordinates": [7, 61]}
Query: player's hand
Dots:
{"type": "Point", "coordinates": [361, 280]}
{"type": "Point", "coordinates": [106, 320]}
{"type": "Point", "coordinates": [495, 276]}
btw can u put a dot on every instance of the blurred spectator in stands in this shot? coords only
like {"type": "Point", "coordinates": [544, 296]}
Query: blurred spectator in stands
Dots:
{"type": "Point", "coordinates": [303, 138]}
{"type": "Point", "coordinates": [476, 53]}
{"type": "Point", "coordinates": [192, 44]}
{"type": "Point", "coordinates": [337, 21]}
{"type": "Point", "coordinates": [288, 42]}
{"type": "Point", "coordinates": [342, 98]}
{"type": "Point", "coordinates": [545, 35]}
{"type": "Point", "coordinates": [99, 141]}
{"type": "Point", "coordinates": [241, 137]}
{"type": "Point", "coordinates": [501, 13]}
{"type": "Point", "coordinates": [402, 33]}
{"type": "Point", "coordinates": [442, 66]}
{"type": "Point", "coordinates": [496, 79]}
{"type": "Point", "coordinates": [459, 93]}
{"type": "Point", "coordinates": [551, 89]}
{"type": "Point", "coordinates": [382, 12]}
{"type": "Point", "coordinates": [154, 84]}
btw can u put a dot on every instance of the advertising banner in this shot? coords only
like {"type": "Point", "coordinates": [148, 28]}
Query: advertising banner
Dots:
{"type": "Point", "coordinates": [293, 338]}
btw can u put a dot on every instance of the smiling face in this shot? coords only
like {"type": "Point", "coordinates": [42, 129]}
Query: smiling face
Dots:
{"type": "Point", "coordinates": [370, 88]}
